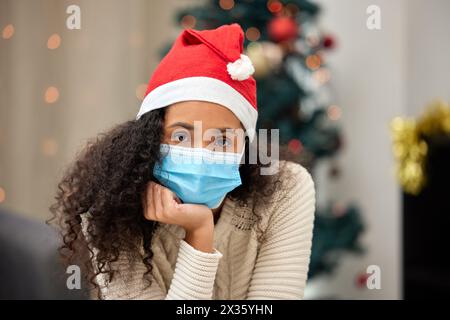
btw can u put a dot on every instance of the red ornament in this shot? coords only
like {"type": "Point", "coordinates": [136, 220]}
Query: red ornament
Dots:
{"type": "Point", "coordinates": [282, 29]}
{"type": "Point", "coordinates": [295, 146]}
{"type": "Point", "coordinates": [328, 42]}
{"type": "Point", "coordinates": [361, 280]}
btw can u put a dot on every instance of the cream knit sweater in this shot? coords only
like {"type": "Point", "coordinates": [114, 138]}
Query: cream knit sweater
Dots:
{"type": "Point", "coordinates": [241, 267]}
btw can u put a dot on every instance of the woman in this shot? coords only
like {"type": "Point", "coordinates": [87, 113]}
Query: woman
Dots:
{"type": "Point", "coordinates": [172, 205]}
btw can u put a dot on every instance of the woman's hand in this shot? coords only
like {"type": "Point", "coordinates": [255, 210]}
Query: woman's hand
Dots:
{"type": "Point", "coordinates": [162, 205]}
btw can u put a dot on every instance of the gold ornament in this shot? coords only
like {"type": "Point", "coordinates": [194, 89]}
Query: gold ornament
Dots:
{"type": "Point", "coordinates": [410, 147]}
{"type": "Point", "coordinates": [265, 57]}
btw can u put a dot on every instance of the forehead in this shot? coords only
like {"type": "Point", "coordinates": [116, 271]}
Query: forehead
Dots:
{"type": "Point", "coordinates": [212, 115]}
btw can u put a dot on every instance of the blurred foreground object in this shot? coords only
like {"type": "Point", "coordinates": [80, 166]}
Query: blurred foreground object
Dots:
{"type": "Point", "coordinates": [29, 267]}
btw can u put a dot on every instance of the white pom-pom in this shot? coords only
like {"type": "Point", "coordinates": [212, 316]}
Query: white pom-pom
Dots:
{"type": "Point", "coordinates": [241, 69]}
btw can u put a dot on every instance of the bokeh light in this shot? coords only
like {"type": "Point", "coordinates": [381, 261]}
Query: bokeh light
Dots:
{"type": "Point", "coordinates": [226, 4]}
{"type": "Point", "coordinates": [313, 40]}
{"type": "Point", "coordinates": [292, 9]}
{"type": "Point", "coordinates": [334, 112]}
{"type": "Point", "coordinates": [252, 34]}
{"type": "Point", "coordinates": [2, 195]}
{"type": "Point", "coordinates": [188, 22]}
{"type": "Point", "coordinates": [322, 75]}
{"type": "Point", "coordinates": [274, 6]}
{"type": "Point", "coordinates": [51, 95]}
{"type": "Point", "coordinates": [8, 31]}
{"type": "Point", "coordinates": [54, 41]}
{"type": "Point", "coordinates": [140, 91]}
{"type": "Point", "coordinates": [295, 146]}
{"type": "Point", "coordinates": [49, 147]}
{"type": "Point", "coordinates": [313, 62]}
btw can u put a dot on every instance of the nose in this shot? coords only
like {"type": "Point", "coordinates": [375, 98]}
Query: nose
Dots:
{"type": "Point", "coordinates": [200, 143]}
{"type": "Point", "coordinates": [204, 139]}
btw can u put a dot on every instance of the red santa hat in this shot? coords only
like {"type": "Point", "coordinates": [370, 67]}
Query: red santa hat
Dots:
{"type": "Point", "coordinates": [206, 65]}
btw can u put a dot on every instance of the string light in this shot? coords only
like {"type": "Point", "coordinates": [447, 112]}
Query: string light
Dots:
{"type": "Point", "coordinates": [295, 146]}
{"type": "Point", "coordinates": [334, 112]}
{"type": "Point", "coordinates": [292, 9]}
{"type": "Point", "coordinates": [274, 6]}
{"type": "Point", "coordinates": [54, 41]}
{"type": "Point", "coordinates": [339, 209]}
{"type": "Point", "coordinates": [322, 75]}
{"type": "Point", "coordinates": [140, 91]}
{"type": "Point", "coordinates": [188, 22]}
{"type": "Point", "coordinates": [226, 4]}
{"type": "Point", "coordinates": [51, 95]}
{"type": "Point", "coordinates": [2, 195]}
{"type": "Point", "coordinates": [313, 62]}
{"type": "Point", "coordinates": [8, 32]}
{"type": "Point", "coordinates": [49, 147]}
{"type": "Point", "coordinates": [252, 34]}
{"type": "Point", "coordinates": [313, 41]}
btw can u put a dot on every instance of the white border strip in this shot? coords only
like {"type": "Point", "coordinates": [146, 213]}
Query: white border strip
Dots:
{"type": "Point", "coordinates": [202, 89]}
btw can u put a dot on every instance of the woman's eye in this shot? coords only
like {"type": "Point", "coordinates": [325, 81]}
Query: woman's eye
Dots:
{"type": "Point", "coordinates": [180, 136]}
{"type": "Point", "coordinates": [222, 142]}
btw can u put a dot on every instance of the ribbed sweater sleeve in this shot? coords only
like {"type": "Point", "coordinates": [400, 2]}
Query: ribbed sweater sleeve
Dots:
{"type": "Point", "coordinates": [282, 264]}
{"type": "Point", "coordinates": [195, 272]}
{"type": "Point", "coordinates": [193, 279]}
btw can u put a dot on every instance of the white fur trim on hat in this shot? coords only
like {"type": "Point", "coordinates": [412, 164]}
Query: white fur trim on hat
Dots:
{"type": "Point", "coordinates": [202, 89]}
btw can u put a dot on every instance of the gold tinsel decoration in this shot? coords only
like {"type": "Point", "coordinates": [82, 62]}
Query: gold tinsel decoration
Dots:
{"type": "Point", "coordinates": [410, 147]}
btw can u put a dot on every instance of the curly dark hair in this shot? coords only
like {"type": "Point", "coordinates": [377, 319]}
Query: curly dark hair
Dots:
{"type": "Point", "coordinates": [105, 185]}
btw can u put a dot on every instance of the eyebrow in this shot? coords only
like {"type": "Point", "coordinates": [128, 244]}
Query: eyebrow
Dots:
{"type": "Point", "coordinates": [191, 127]}
{"type": "Point", "coordinates": [182, 124]}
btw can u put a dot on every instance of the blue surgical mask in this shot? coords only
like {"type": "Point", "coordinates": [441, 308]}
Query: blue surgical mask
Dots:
{"type": "Point", "coordinates": [198, 175]}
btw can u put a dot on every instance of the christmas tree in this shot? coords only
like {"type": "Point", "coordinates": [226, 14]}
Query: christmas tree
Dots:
{"type": "Point", "coordinates": [287, 50]}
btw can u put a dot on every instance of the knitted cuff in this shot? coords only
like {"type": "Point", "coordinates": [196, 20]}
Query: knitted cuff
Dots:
{"type": "Point", "coordinates": [195, 272]}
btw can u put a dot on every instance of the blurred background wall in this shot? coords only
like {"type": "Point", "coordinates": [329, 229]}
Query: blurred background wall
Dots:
{"type": "Point", "coordinates": [378, 75]}
{"type": "Point", "coordinates": [59, 87]}
{"type": "Point", "coordinates": [427, 52]}
{"type": "Point", "coordinates": [52, 100]}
